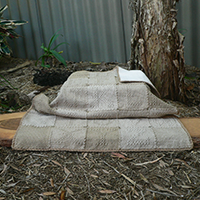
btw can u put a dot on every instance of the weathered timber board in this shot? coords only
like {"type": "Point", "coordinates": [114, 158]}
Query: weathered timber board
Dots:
{"type": "Point", "coordinates": [8, 126]}
{"type": "Point", "coordinates": [10, 122]}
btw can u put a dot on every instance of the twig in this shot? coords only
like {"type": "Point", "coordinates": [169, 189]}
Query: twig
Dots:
{"type": "Point", "coordinates": [125, 197]}
{"type": "Point", "coordinates": [19, 66]}
{"type": "Point", "coordinates": [112, 167]}
{"type": "Point", "coordinates": [126, 177]}
{"type": "Point", "coordinates": [164, 193]}
{"type": "Point", "coordinates": [72, 197]}
{"type": "Point", "coordinates": [62, 182]}
{"type": "Point", "coordinates": [182, 161]}
{"type": "Point", "coordinates": [85, 175]}
{"type": "Point", "coordinates": [86, 180]}
{"type": "Point", "coordinates": [149, 162]}
{"type": "Point", "coordinates": [142, 195]}
{"type": "Point", "coordinates": [187, 177]}
{"type": "Point", "coordinates": [4, 168]}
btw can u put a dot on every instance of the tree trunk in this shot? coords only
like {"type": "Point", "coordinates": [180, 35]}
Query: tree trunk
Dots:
{"type": "Point", "coordinates": [157, 46]}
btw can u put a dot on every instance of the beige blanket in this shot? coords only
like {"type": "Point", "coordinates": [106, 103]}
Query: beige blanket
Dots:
{"type": "Point", "coordinates": [94, 111]}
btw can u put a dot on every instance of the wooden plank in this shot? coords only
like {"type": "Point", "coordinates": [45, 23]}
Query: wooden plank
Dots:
{"type": "Point", "coordinates": [192, 125]}
{"type": "Point", "coordinates": [8, 126]}
{"type": "Point", "coordinates": [10, 122]}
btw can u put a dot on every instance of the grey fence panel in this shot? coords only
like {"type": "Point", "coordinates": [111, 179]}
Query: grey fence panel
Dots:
{"type": "Point", "coordinates": [27, 33]}
{"type": "Point", "coordinates": [127, 20]}
{"type": "Point", "coordinates": [12, 14]}
{"type": "Point", "coordinates": [189, 26]}
{"type": "Point", "coordinates": [34, 50]}
{"type": "Point", "coordinates": [96, 30]}
{"type": "Point", "coordinates": [45, 17]}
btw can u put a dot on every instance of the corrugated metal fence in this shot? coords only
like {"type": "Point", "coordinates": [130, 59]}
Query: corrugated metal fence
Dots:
{"type": "Point", "coordinates": [189, 25]}
{"type": "Point", "coordinates": [95, 30]}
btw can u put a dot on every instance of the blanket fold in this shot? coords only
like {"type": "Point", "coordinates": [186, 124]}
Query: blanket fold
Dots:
{"type": "Point", "coordinates": [97, 111]}
{"type": "Point", "coordinates": [102, 95]}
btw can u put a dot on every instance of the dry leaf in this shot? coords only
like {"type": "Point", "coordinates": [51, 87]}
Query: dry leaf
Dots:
{"type": "Point", "coordinates": [57, 163]}
{"type": "Point", "coordinates": [94, 176]}
{"type": "Point", "coordinates": [51, 181]}
{"type": "Point", "coordinates": [49, 193]}
{"type": "Point", "coordinates": [143, 178]}
{"type": "Point", "coordinates": [15, 168]}
{"type": "Point", "coordinates": [170, 172]}
{"type": "Point", "coordinates": [4, 169]}
{"type": "Point", "coordinates": [66, 171]}
{"type": "Point", "coordinates": [135, 192]}
{"type": "Point", "coordinates": [159, 187]}
{"type": "Point", "coordinates": [128, 179]}
{"type": "Point", "coordinates": [163, 189]}
{"type": "Point", "coordinates": [2, 191]}
{"type": "Point", "coordinates": [118, 155]}
{"type": "Point", "coordinates": [70, 191]}
{"type": "Point", "coordinates": [27, 190]}
{"type": "Point", "coordinates": [62, 195]}
{"type": "Point", "coordinates": [96, 171]}
{"type": "Point", "coordinates": [107, 191]}
{"type": "Point", "coordinates": [85, 154]}
{"type": "Point", "coordinates": [123, 153]}
{"type": "Point", "coordinates": [12, 184]}
{"type": "Point", "coordinates": [40, 198]}
{"type": "Point", "coordinates": [36, 165]}
{"type": "Point", "coordinates": [95, 198]}
{"type": "Point", "coordinates": [182, 161]}
{"type": "Point", "coordinates": [190, 87]}
{"type": "Point", "coordinates": [162, 163]}
{"type": "Point", "coordinates": [186, 186]}
{"type": "Point", "coordinates": [104, 182]}
{"type": "Point", "coordinates": [187, 177]}
{"type": "Point", "coordinates": [105, 171]}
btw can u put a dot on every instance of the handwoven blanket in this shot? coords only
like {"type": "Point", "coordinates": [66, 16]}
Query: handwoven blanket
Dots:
{"type": "Point", "coordinates": [96, 111]}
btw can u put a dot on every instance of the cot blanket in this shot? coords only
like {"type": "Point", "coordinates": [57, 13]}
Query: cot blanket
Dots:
{"type": "Point", "coordinates": [101, 111]}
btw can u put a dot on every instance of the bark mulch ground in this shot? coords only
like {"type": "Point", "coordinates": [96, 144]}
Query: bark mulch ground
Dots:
{"type": "Point", "coordinates": [59, 175]}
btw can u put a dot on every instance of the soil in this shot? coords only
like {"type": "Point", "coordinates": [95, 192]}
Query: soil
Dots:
{"type": "Point", "coordinates": [57, 175]}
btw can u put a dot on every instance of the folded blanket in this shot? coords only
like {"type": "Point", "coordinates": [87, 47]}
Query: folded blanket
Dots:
{"type": "Point", "coordinates": [96, 111]}
{"type": "Point", "coordinates": [101, 95]}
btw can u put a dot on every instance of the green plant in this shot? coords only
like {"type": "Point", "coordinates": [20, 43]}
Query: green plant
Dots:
{"type": "Point", "coordinates": [7, 30]}
{"type": "Point", "coordinates": [4, 107]}
{"type": "Point", "coordinates": [5, 82]}
{"type": "Point", "coordinates": [51, 53]}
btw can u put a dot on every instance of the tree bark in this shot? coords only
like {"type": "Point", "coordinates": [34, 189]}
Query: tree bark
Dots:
{"type": "Point", "coordinates": [157, 46]}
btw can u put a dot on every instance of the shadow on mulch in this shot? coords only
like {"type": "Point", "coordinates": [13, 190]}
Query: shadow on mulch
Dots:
{"type": "Point", "coordinates": [138, 175]}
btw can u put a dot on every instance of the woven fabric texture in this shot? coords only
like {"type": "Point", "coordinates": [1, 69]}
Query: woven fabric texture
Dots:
{"type": "Point", "coordinates": [101, 95]}
{"type": "Point", "coordinates": [94, 111]}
